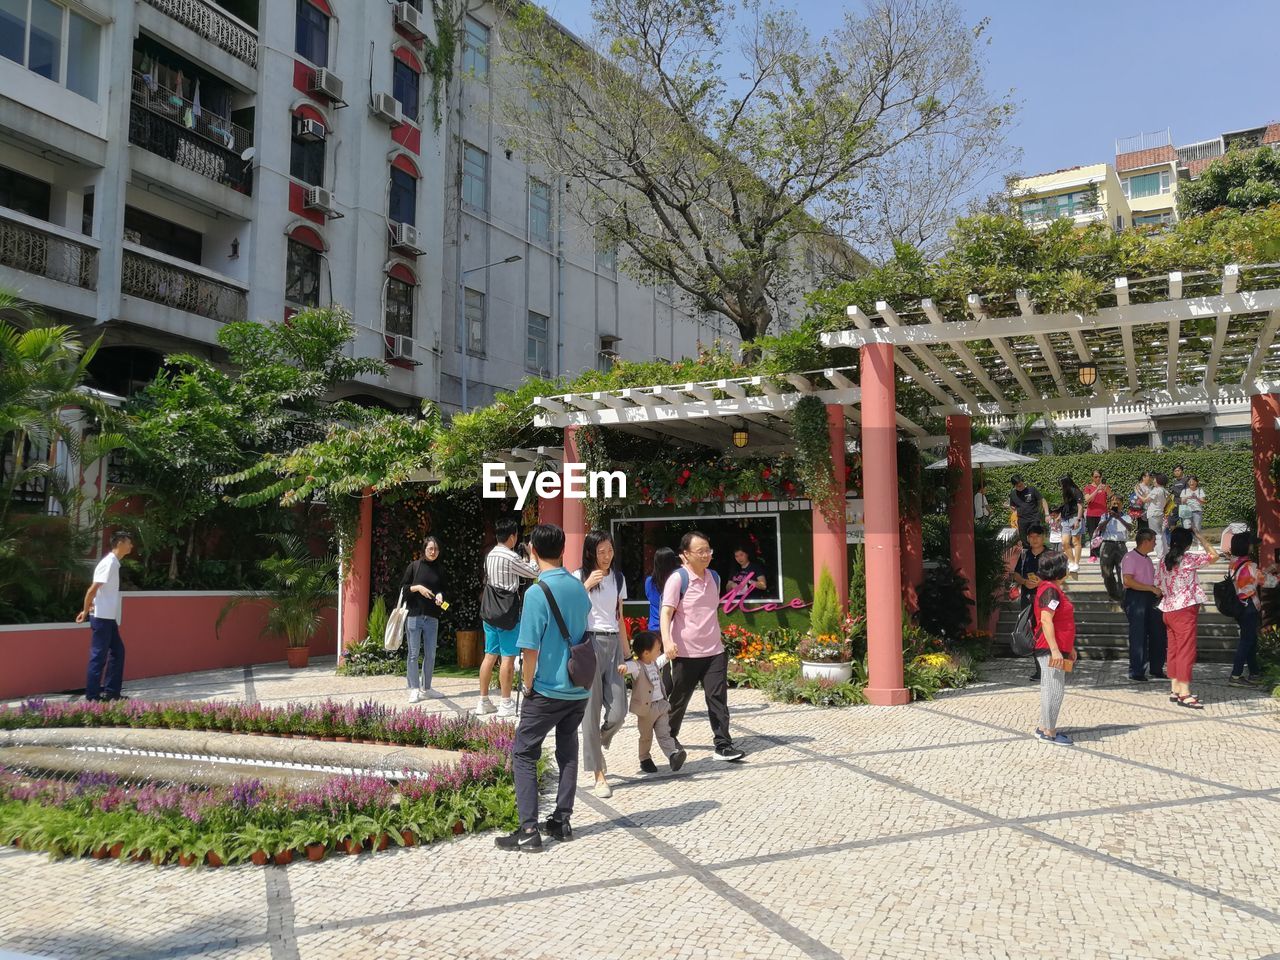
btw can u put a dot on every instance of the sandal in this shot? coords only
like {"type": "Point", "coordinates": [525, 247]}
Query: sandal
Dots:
{"type": "Point", "coordinates": [1191, 702]}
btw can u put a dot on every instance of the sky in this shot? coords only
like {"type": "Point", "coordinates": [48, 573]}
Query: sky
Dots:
{"type": "Point", "coordinates": [1085, 73]}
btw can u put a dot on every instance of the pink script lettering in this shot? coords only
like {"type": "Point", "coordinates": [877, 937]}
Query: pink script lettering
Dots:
{"type": "Point", "coordinates": [735, 601]}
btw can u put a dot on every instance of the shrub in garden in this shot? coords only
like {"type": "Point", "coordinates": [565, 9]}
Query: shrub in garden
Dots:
{"type": "Point", "coordinates": [824, 618]}
{"type": "Point", "coordinates": [944, 607]}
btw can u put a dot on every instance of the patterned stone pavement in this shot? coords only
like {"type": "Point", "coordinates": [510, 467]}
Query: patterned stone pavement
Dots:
{"type": "Point", "coordinates": [939, 829]}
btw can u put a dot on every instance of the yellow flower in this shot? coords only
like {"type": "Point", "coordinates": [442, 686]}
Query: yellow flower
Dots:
{"type": "Point", "coordinates": [933, 660]}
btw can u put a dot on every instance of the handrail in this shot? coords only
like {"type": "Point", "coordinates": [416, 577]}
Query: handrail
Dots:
{"type": "Point", "coordinates": [220, 27]}
{"type": "Point", "coordinates": [187, 265]}
{"type": "Point", "coordinates": [45, 249]}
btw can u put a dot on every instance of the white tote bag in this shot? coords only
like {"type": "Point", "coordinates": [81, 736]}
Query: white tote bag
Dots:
{"type": "Point", "coordinates": [394, 633]}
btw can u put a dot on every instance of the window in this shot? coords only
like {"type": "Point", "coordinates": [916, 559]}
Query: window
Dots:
{"type": "Point", "coordinates": [24, 194]}
{"type": "Point", "coordinates": [475, 177]}
{"type": "Point", "coordinates": [404, 197]}
{"type": "Point", "coordinates": [1164, 218]}
{"type": "Point", "coordinates": [474, 318]}
{"type": "Point", "coordinates": [1063, 205]}
{"type": "Point", "coordinates": [302, 275]}
{"type": "Point", "coordinates": [306, 160]}
{"type": "Point", "coordinates": [475, 49]}
{"type": "Point", "coordinates": [1146, 185]}
{"type": "Point", "coordinates": [149, 231]}
{"type": "Point", "coordinates": [399, 318]}
{"type": "Point", "coordinates": [1232, 434]}
{"type": "Point", "coordinates": [404, 87]}
{"type": "Point", "coordinates": [1033, 447]}
{"type": "Point", "coordinates": [1132, 440]}
{"type": "Point", "coordinates": [312, 34]}
{"type": "Point", "coordinates": [540, 211]}
{"type": "Point", "coordinates": [86, 213]}
{"type": "Point", "coordinates": [52, 41]}
{"type": "Point", "coordinates": [535, 350]}
{"type": "Point", "coordinates": [608, 352]}
{"type": "Point", "coordinates": [1182, 438]}
{"type": "Point", "coordinates": [606, 255]}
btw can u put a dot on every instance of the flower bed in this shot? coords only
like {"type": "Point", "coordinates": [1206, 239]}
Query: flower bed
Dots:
{"type": "Point", "coordinates": [367, 722]}
{"type": "Point", "coordinates": [248, 822]}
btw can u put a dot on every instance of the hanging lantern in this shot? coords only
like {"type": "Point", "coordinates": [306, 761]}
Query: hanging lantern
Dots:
{"type": "Point", "coordinates": [741, 437]}
{"type": "Point", "coordinates": [1088, 374]}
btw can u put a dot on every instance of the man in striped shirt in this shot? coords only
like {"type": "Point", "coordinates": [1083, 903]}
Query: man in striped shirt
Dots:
{"type": "Point", "coordinates": [503, 568]}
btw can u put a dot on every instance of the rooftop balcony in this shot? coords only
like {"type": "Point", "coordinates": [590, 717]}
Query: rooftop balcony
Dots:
{"type": "Point", "coordinates": [150, 275]}
{"type": "Point", "coordinates": [216, 25]}
{"type": "Point", "coordinates": [168, 125]}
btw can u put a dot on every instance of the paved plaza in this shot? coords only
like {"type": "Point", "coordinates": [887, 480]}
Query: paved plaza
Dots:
{"type": "Point", "coordinates": [938, 829]}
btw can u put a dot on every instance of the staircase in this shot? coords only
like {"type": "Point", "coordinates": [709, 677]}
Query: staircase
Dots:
{"type": "Point", "coordinates": [1102, 630]}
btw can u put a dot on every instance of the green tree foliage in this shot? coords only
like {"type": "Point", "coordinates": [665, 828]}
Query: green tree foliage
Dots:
{"type": "Point", "coordinates": [825, 616]}
{"type": "Point", "coordinates": [42, 406]}
{"type": "Point", "coordinates": [1242, 180]}
{"type": "Point", "coordinates": [718, 183]}
{"type": "Point", "coordinates": [858, 582]}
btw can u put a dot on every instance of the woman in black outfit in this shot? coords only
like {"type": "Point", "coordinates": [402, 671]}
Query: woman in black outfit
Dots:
{"type": "Point", "coordinates": [423, 587]}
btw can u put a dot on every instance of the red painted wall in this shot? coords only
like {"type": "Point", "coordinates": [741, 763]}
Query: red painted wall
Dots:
{"type": "Point", "coordinates": [164, 633]}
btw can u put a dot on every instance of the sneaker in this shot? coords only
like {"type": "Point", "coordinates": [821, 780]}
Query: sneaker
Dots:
{"type": "Point", "coordinates": [1061, 738]}
{"type": "Point", "coordinates": [526, 841]}
{"type": "Point", "coordinates": [1073, 568]}
{"type": "Point", "coordinates": [1142, 679]}
{"type": "Point", "coordinates": [677, 759]}
{"type": "Point", "coordinates": [415, 695]}
{"type": "Point", "coordinates": [558, 829]}
{"type": "Point", "coordinates": [1242, 681]}
{"type": "Point", "coordinates": [1093, 559]}
{"type": "Point", "coordinates": [1041, 735]}
{"type": "Point", "coordinates": [648, 766]}
{"type": "Point", "coordinates": [728, 753]}
{"type": "Point", "coordinates": [602, 790]}
{"type": "Point", "coordinates": [506, 709]}
{"type": "Point", "coordinates": [114, 696]}
{"type": "Point", "coordinates": [485, 706]}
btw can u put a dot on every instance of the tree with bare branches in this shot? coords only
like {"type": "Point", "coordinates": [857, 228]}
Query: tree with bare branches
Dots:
{"type": "Point", "coordinates": [719, 166]}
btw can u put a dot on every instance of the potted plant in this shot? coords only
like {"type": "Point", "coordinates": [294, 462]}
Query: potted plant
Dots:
{"type": "Point", "coordinates": [826, 653]}
{"type": "Point", "coordinates": [300, 587]}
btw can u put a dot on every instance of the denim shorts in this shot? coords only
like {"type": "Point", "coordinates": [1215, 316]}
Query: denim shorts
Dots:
{"type": "Point", "coordinates": [1071, 528]}
{"type": "Point", "coordinates": [501, 642]}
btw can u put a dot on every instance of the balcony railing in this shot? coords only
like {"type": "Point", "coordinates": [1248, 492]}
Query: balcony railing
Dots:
{"type": "Point", "coordinates": [216, 25]}
{"type": "Point", "coordinates": [165, 280]}
{"type": "Point", "coordinates": [168, 125]}
{"type": "Point", "coordinates": [33, 246]}
{"type": "Point", "coordinates": [1204, 150]}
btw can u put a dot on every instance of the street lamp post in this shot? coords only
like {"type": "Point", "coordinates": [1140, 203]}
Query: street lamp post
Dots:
{"type": "Point", "coordinates": [462, 316]}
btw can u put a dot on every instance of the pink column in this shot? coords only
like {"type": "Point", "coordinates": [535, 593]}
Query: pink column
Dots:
{"type": "Point", "coordinates": [830, 550]}
{"type": "Point", "coordinates": [551, 510]}
{"type": "Point", "coordinates": [1266, 444]}
{"type": "Point", "coordinates": [573, 511]}
{"type": "Point", "coordinates": [880, 488]}
{"type": "Point", "coordinates": [355, 585]}
{"type": "Point", "coordinates": [959, 435]}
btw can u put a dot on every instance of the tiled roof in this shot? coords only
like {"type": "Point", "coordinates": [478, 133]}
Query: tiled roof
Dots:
{"type": "Point", "coordinates": [1145, 158]}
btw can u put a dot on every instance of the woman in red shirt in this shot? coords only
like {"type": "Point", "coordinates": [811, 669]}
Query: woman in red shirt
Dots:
{"type": "Point", "coordinates": [1096, 497]}
{"type": "Point", "coordinates": [1055, 630]}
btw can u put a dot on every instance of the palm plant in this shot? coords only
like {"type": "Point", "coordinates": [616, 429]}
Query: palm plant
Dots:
{"type": "Point", "coordinates": [300, 587]}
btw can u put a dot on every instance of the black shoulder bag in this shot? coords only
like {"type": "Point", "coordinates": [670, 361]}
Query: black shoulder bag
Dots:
{"type": "Point", "coordinates": [582, 656]}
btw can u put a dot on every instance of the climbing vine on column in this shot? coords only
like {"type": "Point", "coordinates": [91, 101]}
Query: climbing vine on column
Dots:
{"type": "Point", "coordinates": [813, 455]}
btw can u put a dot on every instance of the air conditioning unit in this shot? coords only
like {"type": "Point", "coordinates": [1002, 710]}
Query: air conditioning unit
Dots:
{"type": "Point", "coordinates": [306, 130]}
{"type": "Point", "coordinates": [405, 237]}
{"type": "Point", "coordinates": [411, 21]}
{"type": "Point", "coordinates": [326, 82]}
{"type": "Point", "coordinates": [388, 108]}
{"type": "Point", "coordinates": [399, 347]}
{"type": "Point", "coordinates": [318, 198]}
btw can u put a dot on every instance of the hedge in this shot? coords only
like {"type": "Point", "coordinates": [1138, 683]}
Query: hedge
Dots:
{"type": "Point", "coordinates": [1225, 471]}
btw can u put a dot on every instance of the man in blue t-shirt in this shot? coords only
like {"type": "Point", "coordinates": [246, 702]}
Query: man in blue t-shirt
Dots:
{"type": "Point", "coordinates": [552, 701]}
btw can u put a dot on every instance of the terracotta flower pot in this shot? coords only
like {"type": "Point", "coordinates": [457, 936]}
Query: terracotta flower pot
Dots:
{"type": "Point", "coordinates": [141, 856]}
{"type": "Point", "coordinates": [378, 841]}
{"type": "Point", "coordinates": [116, 850]}
{"type": "Point", "coordinates": [342, 739]}
{"type": "Point", "coordinates": [316, 851]}
{"type": "Point", "coordinates": [297, 656]}
{"type": "Point", "coordinates": [410, 838]}
{"type": "Point", "coordinates": [100, 853]}
{"type": "Point", "coordinates": [283, 858]}
{"type": "Point", "coordinates": [459, 827]}
{"type": "Point", "coordinates": [352, 846]}
{"type": "Point", "coordinates": [186, 859]}
{"type": "Point", "coordinates": [329, 739]}
{"type": "Point", "coordinates": [212, 859]}
{"type": "Point", "coordinates": [259, 858]}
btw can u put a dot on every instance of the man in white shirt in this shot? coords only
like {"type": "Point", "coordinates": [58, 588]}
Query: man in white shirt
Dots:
{"type": "Point", "coordinates": [503, 569]}
{"type": "Point", "coordinates": [102, 609]}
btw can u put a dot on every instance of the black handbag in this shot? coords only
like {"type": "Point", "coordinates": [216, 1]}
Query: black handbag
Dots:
{"type": "Point", "coordinates": [499, 608]}
{"type": "Point", "coordinates": [582, 655]}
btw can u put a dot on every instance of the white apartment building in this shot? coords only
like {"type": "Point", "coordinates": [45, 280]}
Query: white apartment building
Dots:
{"type": "Point", "coordinates": [168, 166]}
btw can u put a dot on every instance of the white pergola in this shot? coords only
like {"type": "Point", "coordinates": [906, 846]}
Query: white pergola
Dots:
{"type": "Point", "coordinates": [1179, 338]}
{"type": "Point", "coordinates": [706, 413]}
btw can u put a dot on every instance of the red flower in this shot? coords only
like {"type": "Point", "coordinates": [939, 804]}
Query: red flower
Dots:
{"type": "Point", "coordinates": [685, 475]}
{"type": "Point", "coordinates": [766, 473]}
{"type": "Point", "coordinates": [788, 486]}
{"type": "Point", "coordinates": [681, 480]}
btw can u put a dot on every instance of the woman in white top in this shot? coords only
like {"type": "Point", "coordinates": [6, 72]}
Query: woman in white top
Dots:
{"type": "Point", "coordinates": [1156, 499]}
{"type": "Point", "coordinates": [607, 705]}
{"type": "Point", "coordinates": [981, 510]}
{"type": "Point", "coordinates": [1192, 506]}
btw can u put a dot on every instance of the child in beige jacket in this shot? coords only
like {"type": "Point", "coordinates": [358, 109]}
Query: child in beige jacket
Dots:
{"type": "Point", "coordinates": [649, 700]}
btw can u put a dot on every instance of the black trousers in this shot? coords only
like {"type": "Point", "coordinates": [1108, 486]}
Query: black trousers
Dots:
{"type": "Point", "coordinates": [1148, 641]}
{"type": "Point", "coordinates": [540, 715]}
{"type": "Point", "coordinates": [713, 673]}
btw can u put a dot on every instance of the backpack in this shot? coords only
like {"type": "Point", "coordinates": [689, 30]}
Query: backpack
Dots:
{"type": "Point", "coordinates": [1025, 631]}
{"type": "Point", "coordinates": [1225, 597]}
{"type": "Point", "coordinates": [684, 581]}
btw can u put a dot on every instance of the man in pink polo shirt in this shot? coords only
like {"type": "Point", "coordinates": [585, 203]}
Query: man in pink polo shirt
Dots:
{"type": "Point", "coordinates": [691, 639]}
